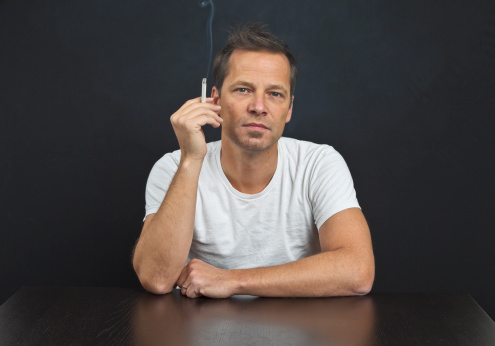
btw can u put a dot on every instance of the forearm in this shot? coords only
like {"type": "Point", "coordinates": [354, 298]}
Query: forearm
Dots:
{"type": "Point", "coordinates": [340, 272]}
{"type": "Point", "coordinates": [344, 267]}
{"type": "Point", "coordinates": [162, 249]}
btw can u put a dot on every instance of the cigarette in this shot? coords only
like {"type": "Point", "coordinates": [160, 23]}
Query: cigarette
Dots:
{"type": "Point", "coordinates": [203, 91]}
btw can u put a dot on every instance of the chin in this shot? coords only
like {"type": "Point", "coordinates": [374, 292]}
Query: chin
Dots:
{"type": "Point", "coordinates": [256, 144]}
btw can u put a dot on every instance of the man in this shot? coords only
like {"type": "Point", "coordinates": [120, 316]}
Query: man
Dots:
{"type": "Point", "coordinates": [254, 213]}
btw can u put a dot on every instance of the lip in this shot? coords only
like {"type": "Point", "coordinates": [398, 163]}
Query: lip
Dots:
{"type": "Point", "coordinates": [256, 126]}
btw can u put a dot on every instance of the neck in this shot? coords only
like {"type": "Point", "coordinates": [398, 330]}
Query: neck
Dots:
{"type": "Point", "coordinates": [249, 171]}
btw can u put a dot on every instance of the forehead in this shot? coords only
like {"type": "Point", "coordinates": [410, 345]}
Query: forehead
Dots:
{"type": "Point", "coordinates": [259, 65]}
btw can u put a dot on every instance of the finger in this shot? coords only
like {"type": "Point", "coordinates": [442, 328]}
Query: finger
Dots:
{"type": "Point", "coordinates": [195, 110]}
{"type": "Point", "coordinates": [191, 101]}
{"type": "Point", "coordinates": [182, 277]}
{"type": "Point", "coordinates": [192, 291]}
{"type": "Point", "coordinates": [183, 290]}
{"type": "Point", "coordinates": [207, 100]}
{"type": "Point", "coordinates": [200, 111]}
{"type": "Point", "coordinates": [204, 119]}
{"type": "Point", "coordinates": [201, 107]}
{"type": "Point", "coordinates": [197, 100]}
{"type": "Point", "coordinates": [189, 289]}
{"type": "Point", "coordinates": [197, 120]}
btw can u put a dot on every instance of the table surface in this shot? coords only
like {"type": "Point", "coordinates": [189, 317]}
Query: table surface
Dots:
{"type": "Point", "coordinates": [120, 316]}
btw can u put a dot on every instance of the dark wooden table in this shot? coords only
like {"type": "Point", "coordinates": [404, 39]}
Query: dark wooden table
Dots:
{"type": "Point", "coordinates": [121, 316]}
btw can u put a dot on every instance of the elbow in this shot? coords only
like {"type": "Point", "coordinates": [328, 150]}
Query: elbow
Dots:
{"type": "Point", "coordinates": [152, 282]}
{"type": "Point", "coordinates": [363, 288]}
{"type": "Point", "coordinates": [364, 279]}
{"type": "Point", "coordinates": [156, 286]}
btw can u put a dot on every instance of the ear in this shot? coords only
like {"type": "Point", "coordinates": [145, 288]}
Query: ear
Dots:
{"type": "Point", "coordinates": [216, 95]}
{"type": "Point", "coordinates": [289, 114]}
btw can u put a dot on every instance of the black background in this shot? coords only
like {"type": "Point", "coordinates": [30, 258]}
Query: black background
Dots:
{"type": "Point", "coordinates": [404, 90]}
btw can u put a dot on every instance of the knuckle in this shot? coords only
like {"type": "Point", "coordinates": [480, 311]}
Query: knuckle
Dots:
{"type": "Point", "coordinates": [181, 121]}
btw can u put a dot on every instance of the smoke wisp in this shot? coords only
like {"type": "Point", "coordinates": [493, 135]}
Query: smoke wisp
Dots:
{"type": "Point", "coordinates": [209, 34]}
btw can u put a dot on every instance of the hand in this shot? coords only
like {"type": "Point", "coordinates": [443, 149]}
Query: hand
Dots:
{"type": "Point", "coordinates": [203, 279]}
{"type": "Point", "coordinates": [187, 123]}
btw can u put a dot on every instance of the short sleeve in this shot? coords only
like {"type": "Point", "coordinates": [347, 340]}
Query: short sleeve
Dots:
{"type": "Point", "coordinates": [331, 187]}
{"type": "Point", "coordinates": [159, 180]}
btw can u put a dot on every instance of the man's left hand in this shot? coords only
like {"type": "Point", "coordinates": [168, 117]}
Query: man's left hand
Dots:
{"type": "Point", "coordinates": [202, 279]}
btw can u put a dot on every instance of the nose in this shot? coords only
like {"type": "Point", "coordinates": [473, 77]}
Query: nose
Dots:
{"type": "Point", "coordinates": [257, 104]}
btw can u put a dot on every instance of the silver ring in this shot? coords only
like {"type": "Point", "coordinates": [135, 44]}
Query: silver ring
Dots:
{"type": "Point", "coordinates": [184, 287]}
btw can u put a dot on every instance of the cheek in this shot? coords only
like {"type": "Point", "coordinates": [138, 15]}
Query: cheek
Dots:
{"type": "Point", "coordinates": [228, 113]}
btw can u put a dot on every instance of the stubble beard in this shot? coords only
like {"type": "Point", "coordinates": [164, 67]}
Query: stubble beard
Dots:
{"type": "Point", "coordinates": [252, 143]}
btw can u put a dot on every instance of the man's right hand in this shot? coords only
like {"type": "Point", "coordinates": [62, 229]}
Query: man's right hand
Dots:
{"type": "Point", "coordinates": [162, 248]}
{"type": "Point", "coordinates": [187, 123]}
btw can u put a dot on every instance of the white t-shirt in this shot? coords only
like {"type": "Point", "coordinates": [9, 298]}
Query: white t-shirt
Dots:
{"type": "Point", "coordinates": [234, 230]}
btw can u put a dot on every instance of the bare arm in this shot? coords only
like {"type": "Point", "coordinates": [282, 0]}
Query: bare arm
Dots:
{"type": "Point", "coordinates": [345, 267]}
{"type": "Point", "coordinates": [162, 248]}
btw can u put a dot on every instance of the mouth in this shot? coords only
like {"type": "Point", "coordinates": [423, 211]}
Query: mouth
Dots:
{"type": "Point", "coordinates": [256, 126]}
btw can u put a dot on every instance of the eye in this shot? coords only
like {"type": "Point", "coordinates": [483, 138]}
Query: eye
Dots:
{"type": "Point", "coordinates": [242, 90]}
{"type": "Point", "coordinates": [277, 94]}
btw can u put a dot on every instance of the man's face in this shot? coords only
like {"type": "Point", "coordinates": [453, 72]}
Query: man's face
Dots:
{"type": "Point", "coordinates": [256, 102]}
